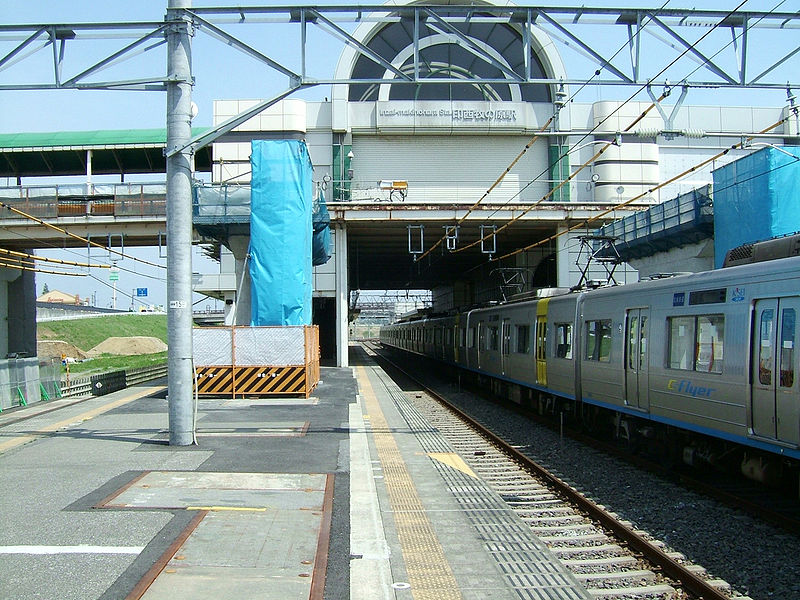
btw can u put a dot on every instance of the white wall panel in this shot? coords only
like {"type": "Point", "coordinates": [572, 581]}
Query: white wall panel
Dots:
{"type": "Point", "coordinates": [453, 169]}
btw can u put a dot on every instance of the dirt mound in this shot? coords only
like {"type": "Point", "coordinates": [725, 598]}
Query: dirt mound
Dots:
{"type": "Point", "coordinates": [55, 348]}
{"type": "Point", "coordinates": [129, 346]}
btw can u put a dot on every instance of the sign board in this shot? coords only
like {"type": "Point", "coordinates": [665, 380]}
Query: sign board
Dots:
{"type": "Point", "coordinates": [141, 292]}
{"type": "Point", "coordinates": [113, 274]}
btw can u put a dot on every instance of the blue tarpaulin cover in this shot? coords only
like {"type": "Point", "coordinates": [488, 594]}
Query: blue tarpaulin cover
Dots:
{"type": "Point", "coordinates": [322, 231]}
{"type": "Point", "coordinates": [756, 198]}
{"type": "Point", "coordinates": [280, 233]}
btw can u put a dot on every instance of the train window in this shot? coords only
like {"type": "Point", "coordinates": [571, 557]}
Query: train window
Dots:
{"type": "Point", "coordinates": [787, 347]}
{"type": "Point", "coordinates": [564, 340]}
{"type": "Point", "coordinates": [710, 342]}
{"type": "Point", "coordinates": [681, 342]}
{"type": "Point", "coordinates": [765, 352]}
{"type": "Point", "coordinates": [696, 343]}
{"type": "Point", "coordinates": [492, 339]}
{"type": "Point", "coordinates": [598, 340]}
{"type": "Point", "coordinates": [462, 337]}
{"type": "Point", "coordinates": [471, 338]}
{"type": "Point", "coordinates": [523, 339]}
{"type": "Point", "coordinates": [541, 338]}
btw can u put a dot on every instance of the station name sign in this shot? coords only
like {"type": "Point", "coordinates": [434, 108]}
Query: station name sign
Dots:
{"type": "Point", "coordinates": [433, 114]}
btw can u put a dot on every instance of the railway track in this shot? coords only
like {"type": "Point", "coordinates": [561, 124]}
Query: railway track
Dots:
{"type": "Point", "coordinates": [608, 555]}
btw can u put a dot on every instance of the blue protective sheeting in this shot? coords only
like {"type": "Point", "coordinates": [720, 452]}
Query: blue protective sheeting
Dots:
{"type": "Point", "coordinates": [756, 198]}
{"type": "Point", "coordinates": [280, 233]}
{"type": "Point", "coordinates": [322, 231]}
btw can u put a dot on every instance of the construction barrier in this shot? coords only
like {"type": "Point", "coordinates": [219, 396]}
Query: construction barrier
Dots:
{"type": "Point", "coordinates": [19, 381]}
{"type": "Point", "coordinates": [256, 361]}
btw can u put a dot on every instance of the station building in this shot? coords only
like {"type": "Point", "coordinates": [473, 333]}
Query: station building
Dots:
{"type": "Point", "coordinates": [399, 164]}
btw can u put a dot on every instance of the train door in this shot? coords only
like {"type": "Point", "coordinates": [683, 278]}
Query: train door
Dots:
{"type": "Point", "coordinates": [458, 342]}
{"type": "Point", "coordinates": [637, 325]}
{"type": "Point", "coordinates": [775, 405]}
{"type": "Point", "coordinates": [480, 342]}
{"type": "Point", "coordinates": [505, 344]}
{"type": "Point", "coordinates": [541, 341]}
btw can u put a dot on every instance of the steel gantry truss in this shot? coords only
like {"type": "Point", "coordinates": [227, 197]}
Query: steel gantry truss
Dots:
{"type": "Point", "coordinates": [646, 32]}
{"type": "Point", "coordinates": [617, 47]}
{"type": "Point", "coordinates": [755, 49]}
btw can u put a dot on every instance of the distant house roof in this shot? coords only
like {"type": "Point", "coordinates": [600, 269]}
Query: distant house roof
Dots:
{"type": "Point", "coordinates": [113, 152]}
{"type": "Point", "coordinates": [58, 296]}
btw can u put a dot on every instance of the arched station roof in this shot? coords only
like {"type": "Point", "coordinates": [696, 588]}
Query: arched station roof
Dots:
{"type": "Point", "coordinates": [443, 54]}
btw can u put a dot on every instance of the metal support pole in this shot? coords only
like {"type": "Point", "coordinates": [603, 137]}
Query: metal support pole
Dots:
{"type": "Point", "coordinates": [179, 225]}
{"type": "Point", "coordinates": [342, 297]}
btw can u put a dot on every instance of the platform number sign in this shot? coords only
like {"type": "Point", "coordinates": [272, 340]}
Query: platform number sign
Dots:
{"type": "Point", "coordinates": [141, 292]}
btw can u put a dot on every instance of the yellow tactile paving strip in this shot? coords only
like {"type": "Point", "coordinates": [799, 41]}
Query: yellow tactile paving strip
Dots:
{"type": "Point", "coordinates": [429, 573]}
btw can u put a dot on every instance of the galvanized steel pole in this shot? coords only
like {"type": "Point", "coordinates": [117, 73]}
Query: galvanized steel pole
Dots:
{"type": "Point", "coordinates": [179, 225]}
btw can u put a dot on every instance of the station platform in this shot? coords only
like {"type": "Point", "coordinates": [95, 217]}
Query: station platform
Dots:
{"type": "Point", "coordinates": [346, 494]}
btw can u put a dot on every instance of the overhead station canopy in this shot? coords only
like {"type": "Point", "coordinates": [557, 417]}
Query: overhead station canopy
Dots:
{"type": "Point", "coordinates": [113, 152]}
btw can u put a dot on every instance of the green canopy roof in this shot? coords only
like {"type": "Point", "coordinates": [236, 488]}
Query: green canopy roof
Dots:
{"type": "Point", "coordinates": [120, 151]}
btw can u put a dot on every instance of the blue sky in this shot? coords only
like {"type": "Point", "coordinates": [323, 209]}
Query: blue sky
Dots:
{"type": "Point", "coordinates": [220, 73]}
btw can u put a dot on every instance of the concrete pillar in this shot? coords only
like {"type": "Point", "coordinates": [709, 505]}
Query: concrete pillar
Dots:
{"type": "Point", "coordinates": [88, 171]}
{"type": "Point", "coordinates": [21, 298]}
{"type": "Point", "coordinates": [342, 296]}
{"type": "Point", "coordinates": [562, 257]}
{"type": "Point", "coordinates": [240, 312]}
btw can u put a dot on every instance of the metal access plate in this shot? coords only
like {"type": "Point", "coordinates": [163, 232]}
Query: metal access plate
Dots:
{"type": "Point", "coordinates": [239, 555]}
{"type": "Point", "coordinates": [272, 429]}
{"type": "Point", "coordinates": [191, 489]}
{"type": "Point", "coordinates": [257, 401]}
{"type": "Point", "coordinates": [257, 533]}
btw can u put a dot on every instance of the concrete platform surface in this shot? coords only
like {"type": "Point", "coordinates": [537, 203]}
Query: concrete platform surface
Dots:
{"type": "Point", "coordinates": [345, 495]}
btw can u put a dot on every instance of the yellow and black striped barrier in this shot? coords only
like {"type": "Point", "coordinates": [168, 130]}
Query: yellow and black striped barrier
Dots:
{"type": "Point", "coordinates": [253, 381]}
{"type": "Point", "coordinates": [270, 380]}
{"type": "Point", "coordinates": [214, 380]}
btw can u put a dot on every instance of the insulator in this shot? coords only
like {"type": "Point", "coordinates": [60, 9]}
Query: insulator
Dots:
{"type": "Point", "coordinates": [647, 133]}
{"type": "Point", "coordinates": [693, 133]}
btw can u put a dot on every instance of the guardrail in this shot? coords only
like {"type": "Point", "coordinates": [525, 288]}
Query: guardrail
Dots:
{"type": "Point", "coordinates": [70, 200]}
{"type": "Point", "coordinates": [83, 387]}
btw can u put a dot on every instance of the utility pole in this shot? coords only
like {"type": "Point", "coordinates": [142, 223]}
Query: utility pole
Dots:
{"type": "Point", "coordinates": [179, 224]}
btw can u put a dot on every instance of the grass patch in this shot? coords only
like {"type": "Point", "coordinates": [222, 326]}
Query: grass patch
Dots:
{"type": "Point", "coordinates": [109, 362]}
{"type": "Point", "coordinates": [87, 333]}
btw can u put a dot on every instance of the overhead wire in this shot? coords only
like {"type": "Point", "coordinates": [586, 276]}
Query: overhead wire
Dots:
{"type": "Point", "coordinates": [76, 236]}
{"type": "Point", "coordinates": [39, 270]}
{"type": "Point", "coordinates": [97, 265]}
{"type": "Point", "coordinates": [528, 146]}
{"type": "Point", "coordinates": [687, 171]}
{"type": "Point", "coordinates": [53, 260]}
{"type": "Point", "coordinates": [606, 145]}
{"type": "Point", "coordinates": [673, 179]}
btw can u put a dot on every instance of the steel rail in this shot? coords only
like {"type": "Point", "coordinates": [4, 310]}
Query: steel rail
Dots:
{"type": "Point", "coordinates": [691, 582]}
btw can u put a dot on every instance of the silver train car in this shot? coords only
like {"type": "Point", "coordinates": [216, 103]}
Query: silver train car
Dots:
{"type": "Point", "coordinates": [700, 367]}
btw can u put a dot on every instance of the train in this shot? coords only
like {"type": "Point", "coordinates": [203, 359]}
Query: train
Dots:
{"type": "Point", "coordinates": [700, 368]}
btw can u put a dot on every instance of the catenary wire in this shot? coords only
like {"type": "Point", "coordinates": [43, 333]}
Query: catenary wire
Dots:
{"type": "Point", "coordinates": [551, 238]}
{"type": "Point", "coordinates": [673, 179]}
{"type": "Point", "coordinates": [76, 236]}
{"type": "Point", "coordinates": [531, 142]}
{"type": "Point", "coordinates": [71, 251]}
{"type": "Point", "coordinates": [605, 146]}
